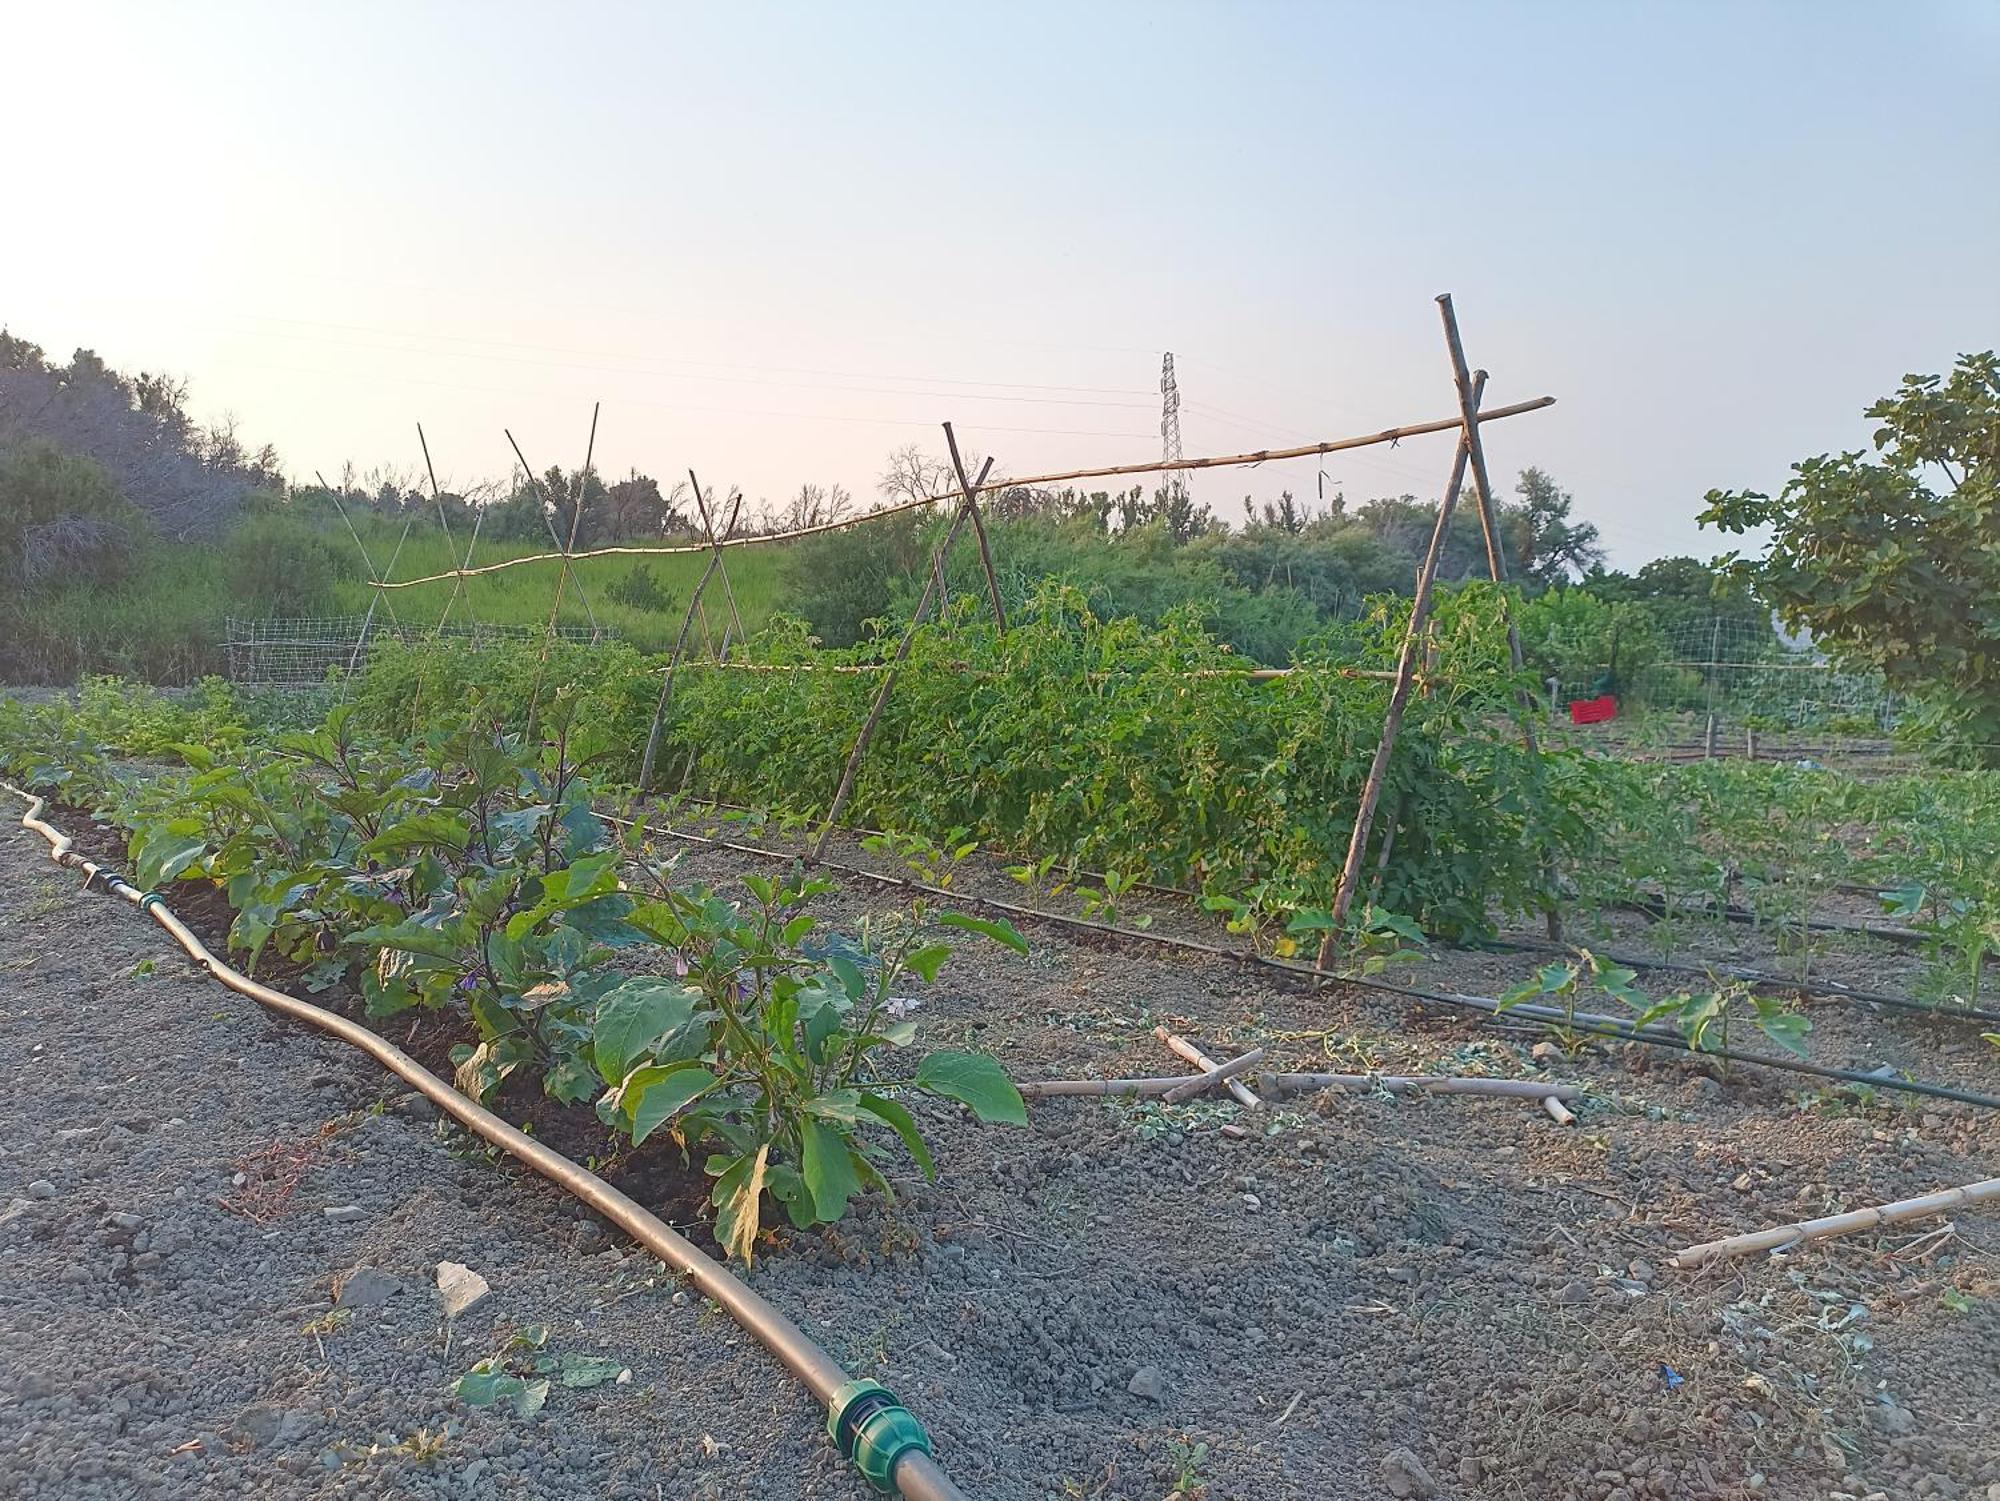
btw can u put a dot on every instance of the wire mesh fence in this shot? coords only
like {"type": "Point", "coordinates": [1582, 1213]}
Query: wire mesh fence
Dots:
{"type": "Point", "coordinates": [1741, 671]}
{"type": "Point", "coordinates": [306, 650]}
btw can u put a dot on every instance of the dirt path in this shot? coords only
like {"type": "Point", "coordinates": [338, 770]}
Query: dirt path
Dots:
{"type": "Point", "coordinates": [1355, 1299]}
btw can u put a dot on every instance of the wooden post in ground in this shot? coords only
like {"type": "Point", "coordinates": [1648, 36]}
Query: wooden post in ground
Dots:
{"type": "Point", "coordinates": [1399, 696]}
{"type": "Point", "coordinates": [978, 531]}
{"type": "Point", "coordinates": [846, 788]}
{"type": "Point", "coordinates": [549, 522]}
{"type": "Point", "coordinates": [728, 589]}
{"type": "Point", "coordinates": [674, 658]}
{"type": "Point", "coordinates": [380, 597]}
{"type": "Point", "coordinates": [1496, 565]}
{"type": "Point", "coordinates": [444, 525]}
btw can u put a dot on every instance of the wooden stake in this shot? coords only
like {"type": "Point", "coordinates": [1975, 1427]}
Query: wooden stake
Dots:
{"type": "Point", "coordinates": [444, 525]}
{"type": "Point", "coordinates": [728, 589]}
{"type": "Point", "coordinates": [970, 493]}
{"type": "Point", "coordinates": [549, 522]}
{"type": "Point", "coordinates": [1181, 1047]}
{"type": "Point", "coordinates": [1399, 696]}
{"type": "Point", "coordinates": [575, 522]}
{"type": "Point", "coordinates": [1424, 1084]}
{"type": "Point", "coordinates": [1785, 1237]}
{"type": "Point", "coordinates": [1221, 1074]}
{"type": "Point", "coordinates": [1496, 565]}
{"type": "Point", "coordinates": [674, 658]}
{"type": "Point", "coordinates": [847, 774]}
{"type": "Point", "coordinates": [379, 598]}
{"type": "Point", "coordinates": [1235, 460]}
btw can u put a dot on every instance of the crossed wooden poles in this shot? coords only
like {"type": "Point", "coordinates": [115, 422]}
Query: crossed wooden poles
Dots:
{"type": "Point", "coordinates": [1470, 452]}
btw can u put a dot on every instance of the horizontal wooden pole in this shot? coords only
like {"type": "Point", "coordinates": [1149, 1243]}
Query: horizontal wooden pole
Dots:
{"type": "Point", "coordinates": [1804, 1232]}
{"type": "Point", "coordinates": [1523, 1089]}
{"type": "Point", "coordinates": [1221, 1074]}
{"type": "Point", "coordinates": [1247, 674]}
{"type": "Point", "coordinates": [1113, 471]}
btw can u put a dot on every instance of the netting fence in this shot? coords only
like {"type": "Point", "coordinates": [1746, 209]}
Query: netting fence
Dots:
{"type": "Point", "coordinates": [305, 651]}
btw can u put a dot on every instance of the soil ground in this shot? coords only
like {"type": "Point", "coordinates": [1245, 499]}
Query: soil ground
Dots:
{"type": "Point", "coordinates": [1359, 1298]}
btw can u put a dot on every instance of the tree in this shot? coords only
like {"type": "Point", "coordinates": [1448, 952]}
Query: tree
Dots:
{"type": "Point", "coordinates": [1893, 560]}
{"type": "Point", "coordinates": [1551, 547]}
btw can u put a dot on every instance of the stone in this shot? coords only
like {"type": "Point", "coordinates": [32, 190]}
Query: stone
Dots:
{"type": "Point", "coordinates": [342, 1211]}
{"type": "Point", "coordinates": [1895, 1419]}
{"type": "Point", "coordinates": [126, 1220]}
{"type": "Point", "coordinates": [415, 1107]}
{"type": "Point", "coordinates": [41, 1188]}
{"type": "Point", "coordinates": [590, 1238]}
{"type": "Point", "coordinates": [146, 1261]}
{"type": "Point", "coordinates": [260, 1424]}
{"type": "Point", "coordinates": [1148, 1382]}
{"type": "Point", "coordinates": [460, 1288]}
{"type": "Point", "coordinates": [365, 1287]}
{"type": "Point", "coordinates": [1403, 1474]}
{"type": "Point", "coordinates": [1573, 1292]}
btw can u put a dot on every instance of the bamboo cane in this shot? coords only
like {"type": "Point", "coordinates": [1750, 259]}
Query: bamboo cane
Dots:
{"type": "Point", "coordinates": [1399, 697]}
{"type": "Point", "coordinates": [444, 526]}
{"type": "Point", "coordinates": [728, 589]}
{"type": "Point", "coordinates": [1496, 563]}
{"type": "Point", "coordinates": [1221, 1074]}
{"type": "Point", "coordinates": [1235, 460]}
{"type": "Point", "coordinates": [853, 766]}
{"type": "Point", "coordinates": [1439, 1084]}
{"type": "Point", "coordinates": [970, 492]}
{"type": "Point", "coordinates": [549, 523]}
{"type": "Point", "coordinates": [673, 661]}
{"type": "Point", "coordinates": [1805, 1232]}
{"type": "Point", "coordinates": [1181, 1047]}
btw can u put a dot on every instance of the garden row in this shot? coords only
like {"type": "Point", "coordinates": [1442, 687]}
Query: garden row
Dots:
{"type": "Point", "coordinates": [471, 875]}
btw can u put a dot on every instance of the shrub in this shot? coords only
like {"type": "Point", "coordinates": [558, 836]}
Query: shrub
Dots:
{"type": "Point", "coordinates": [280, 564]}
{"type": "Point", "coordinates": [61, 513]}
{"type": "Point", "coordinates": [640, 590]}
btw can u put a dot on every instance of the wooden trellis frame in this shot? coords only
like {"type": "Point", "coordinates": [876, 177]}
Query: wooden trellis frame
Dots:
{"type": "Point", "coordinates": [1468, 457]}
{"type": "Point", "coordinates": [375, 578]}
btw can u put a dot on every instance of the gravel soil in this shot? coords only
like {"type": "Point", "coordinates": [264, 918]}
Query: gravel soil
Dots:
{"type": "Point", "coordinates": [1353, 1297]}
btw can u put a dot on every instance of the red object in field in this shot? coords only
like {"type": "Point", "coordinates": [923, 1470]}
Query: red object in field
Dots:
{"type": "Point", "coordinates": [1593, 710]}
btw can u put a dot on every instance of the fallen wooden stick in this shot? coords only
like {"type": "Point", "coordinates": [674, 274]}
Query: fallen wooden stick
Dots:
{"type": "Point", "coordinates": [1523, 1089]}
{"type": "Point", "coordinates": [1222, 1074]}
{"type": "Point", "coordinates": [1558, 1111]}
{"type": "Point", "coordinates": [1181, 1047]}
{"type": "Point", "coordinates": [1804, 1232]}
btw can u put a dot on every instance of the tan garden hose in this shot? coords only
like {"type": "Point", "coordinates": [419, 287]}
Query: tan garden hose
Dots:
{"type": "Point", "coordinates": [880, 1436]}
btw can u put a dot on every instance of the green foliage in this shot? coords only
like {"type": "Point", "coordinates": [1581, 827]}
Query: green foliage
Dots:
{"type": "Point", "coordinates": [766, 1056]}
{"type": "Point", "coordinates": [1703, 1019]}
{"type": "Point", "coordinates": [59, 511]}
{"type": "Point", "coordinates": [639, 590]}
{"type": "Point", "coordinates": [470, 872]}
{"type": "Point", "coordinates": [1891, 561]}
{"type": "Point", "coordinates": [275, 563]}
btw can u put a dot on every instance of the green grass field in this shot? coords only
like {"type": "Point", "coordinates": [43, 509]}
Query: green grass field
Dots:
{"type": "Point", "coordinates": [522, 596]}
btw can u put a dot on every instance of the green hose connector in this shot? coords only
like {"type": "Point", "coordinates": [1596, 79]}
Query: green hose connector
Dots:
{"type": "Point", "coordinates": [871, 1428]}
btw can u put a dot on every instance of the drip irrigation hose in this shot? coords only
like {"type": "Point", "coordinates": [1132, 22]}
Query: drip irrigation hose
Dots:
{"type": "Point", "coordinates": [1830, 989]}
{"type": "Point", "coordinates": [1580, 1021]}
{"type": "Point", "coordinates": [1655, 907]}
{"type": "Point", "coordinates": [870, 1427]}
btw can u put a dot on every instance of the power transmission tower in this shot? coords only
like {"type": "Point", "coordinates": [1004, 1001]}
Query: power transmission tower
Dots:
{"type": "Point", "coordinates": [1176, 478]}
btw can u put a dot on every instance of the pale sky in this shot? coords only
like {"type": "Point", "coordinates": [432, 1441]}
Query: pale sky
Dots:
{"type": "Point", "coordinates": [779, 241]}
